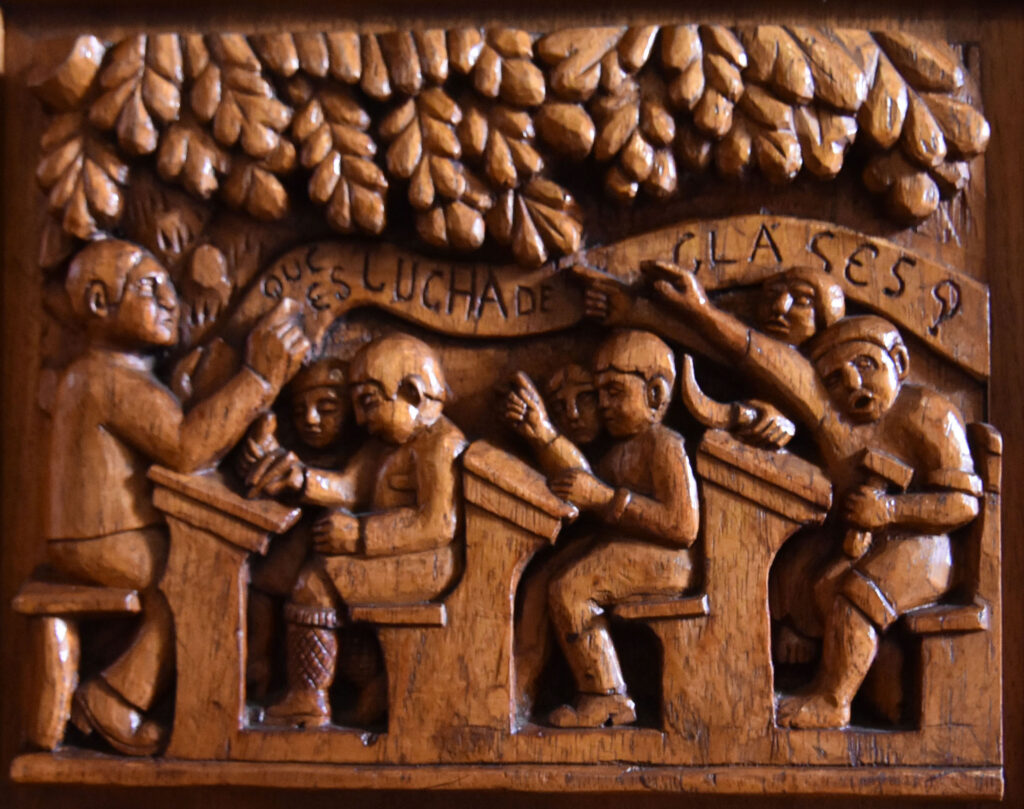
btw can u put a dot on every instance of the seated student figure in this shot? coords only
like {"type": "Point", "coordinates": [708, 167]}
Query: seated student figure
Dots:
{"type": "Point", "coordinates": [645, 498]}
{"type": "Point", "coordinates": [792, 306]}
{"type": "Point", "coordinates": [574, 420]}
{"type": "Point", "coordinates": [112, 419]}
{"type": "Point", "coordinates": [852, 396]}
{"type": "Point", "coordinates": [400, 545]}
{"type": "Point", "coordinates": [319, 408]}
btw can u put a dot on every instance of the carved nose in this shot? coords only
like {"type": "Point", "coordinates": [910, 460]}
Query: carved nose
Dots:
{"type": "Point", "coordinates": [782, 304]}
{"type": "Point", "coordinates": [851, 377]}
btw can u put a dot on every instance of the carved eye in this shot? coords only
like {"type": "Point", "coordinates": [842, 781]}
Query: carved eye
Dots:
{"type": "Point", "coordinates": [587, 399]}
{"type": "Point", "coordinates": [865, 363]}
{"type": "Point", "coordinates": [147, 287]}
{"type": "Point", "coordinates": [328, 406]}
{"type": "Point", "coordinates": [803, 300]}
{"type": "Point", "coordinates": [834, 379]}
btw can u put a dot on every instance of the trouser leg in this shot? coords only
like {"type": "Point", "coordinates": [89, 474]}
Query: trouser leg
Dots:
{"type": "Point", "coordinates": [141, 674]}
{"type": "Point", "coordinates": [312, 652]}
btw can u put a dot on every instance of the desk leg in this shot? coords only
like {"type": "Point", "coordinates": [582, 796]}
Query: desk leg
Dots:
{"type": "Point", "coordinates": [205, 584]}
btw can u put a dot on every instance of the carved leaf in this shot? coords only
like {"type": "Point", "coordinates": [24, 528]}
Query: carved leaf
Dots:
{"type": "Point", "coordinates": [142, 81]}
{"type": "Point", "coordinates": [910, 193]}
{"type": "Point", "coordinates": [777, 61]}
{"type": "Point", "coordinates": [926, 64]}
{"type": "Point", "coordinates": [191, 157]}
{"type": "Point", "coordinates": [540, 217]}
{"type": "Point", "coordinates": [82, 175]}
{"type": "Point", "coordinates": [499, 62]}
{"type": "Point", "coordinates": [331, 128]}
{"type": "Point", "coordinates": [567, 128]}
{"type": "Point", "coordinates": [637, 130]}
{"type": "Point", "coordinates": [62, 77]}
{"type": "Point", "coordinates": [501, 138]}
{"type": "Point", "coordinates": [839, 81]}
{"type": "Point", "coordinates": [231, 92]}
{"type": "Point", "coordinates": [582, 59]}
{"type": "Point", "coordinates": [252, 187]}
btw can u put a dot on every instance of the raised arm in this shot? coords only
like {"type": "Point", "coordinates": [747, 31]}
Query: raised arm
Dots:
{"type": "Point", "coordinates": [525, 411]}
{"type": "Point", "coordinates": [148, 416]}
{"type": "Point", "coordinates": [777, 366]}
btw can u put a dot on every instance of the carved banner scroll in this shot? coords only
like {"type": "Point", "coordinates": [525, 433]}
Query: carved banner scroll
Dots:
{"type": "Point", "coordinates": [588, 409]}
{"type": "Point", "coordinates": [941, 306]}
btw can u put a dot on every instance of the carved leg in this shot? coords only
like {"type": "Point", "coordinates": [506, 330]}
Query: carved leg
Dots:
{"type": "Point", "coordinates": [259, 642]}
{"type": "Point", "coordinates": [54, 679]}
{"type": "Point", "coordinates": [851, 642]}
{"type": "Point", "coordinates": [312, 656]}
{"type": "Point", "coordinates": [143, 671]}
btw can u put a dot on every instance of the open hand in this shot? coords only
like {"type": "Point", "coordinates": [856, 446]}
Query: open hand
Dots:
{"type": "Point", "coordinates": [336, 533]}
{"type": "Point", "coordinates": [684, 293]}
{"type": "Point", "coordinates": [582, 489]}
{"type": "Point", "coordinates": [525, 411]}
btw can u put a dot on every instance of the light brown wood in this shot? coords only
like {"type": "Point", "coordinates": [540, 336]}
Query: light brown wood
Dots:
{"type": "Point", "coordinates": [425, 624]}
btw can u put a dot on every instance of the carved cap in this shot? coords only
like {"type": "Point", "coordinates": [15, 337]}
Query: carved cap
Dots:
{"type": "Point", "coordinates": [630, 351]}
{"type": "Point", "coordinates": [389, 361]}
{"type": "Point", "coordinates": [326, 373]}
{"type": "Point", "coordinates": [108, 261]}
{"type": "Point", "coordinates": [860, 328]}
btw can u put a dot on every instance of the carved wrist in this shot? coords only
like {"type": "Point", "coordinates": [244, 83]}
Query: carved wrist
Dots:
{"type": "Point", "coordinates": [618, 505]}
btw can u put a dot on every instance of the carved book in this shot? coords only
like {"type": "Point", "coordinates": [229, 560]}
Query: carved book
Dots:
{"type": "Point", "coordinates": [598, 408]}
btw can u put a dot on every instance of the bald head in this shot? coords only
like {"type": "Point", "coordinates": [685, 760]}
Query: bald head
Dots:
{"type": "Point", "coordinates": [630, 351]}
{"type": "Point", "coordinates": [107, 263]}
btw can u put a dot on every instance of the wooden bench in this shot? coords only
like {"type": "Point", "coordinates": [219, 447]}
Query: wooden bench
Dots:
{"type": "Point", "coordinates": [54, 610]}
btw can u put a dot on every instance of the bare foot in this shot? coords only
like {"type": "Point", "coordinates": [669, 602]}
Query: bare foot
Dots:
{"type": "Point", "coordinates": [791, 646]}
{"type": "Point", "coordinates": [813, 710]}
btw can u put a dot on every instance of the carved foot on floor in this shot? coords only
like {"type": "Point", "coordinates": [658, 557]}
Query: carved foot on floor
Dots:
{"type": "Point", "coordinates": [812, 710]}
{"type": "Point", "coordinates": [595, 711]}
{"type": "Point", "coordinates": [300, 708]}
{"type": "Point", "coordinates": [98, 707]}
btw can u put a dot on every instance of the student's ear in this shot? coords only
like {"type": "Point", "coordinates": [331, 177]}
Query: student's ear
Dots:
{"type": "Point", "coordinates": [96, 298]}
{"type": "Point", "coordinates": [658, 391]}
{"type": "Point", "coordinates": [411, 390]}
{"type": "Point", "coordinates": [901, 359]}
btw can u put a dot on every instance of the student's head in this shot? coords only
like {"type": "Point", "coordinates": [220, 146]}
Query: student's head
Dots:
{"type": "Point", "coordinates": [634, 372]}
{"type": "Point", "coordinates": [572, 403]}
{"type": "Point", "coordinates": [319, 405]}
{"type": "Point", "coordinates": [122, 294]}
{"type": "Point", "coordinates": [398, 387]}
{"type": "Point", "coordinates": [863, 362]}
{"type": "Point", "coordinates": [796, 304]}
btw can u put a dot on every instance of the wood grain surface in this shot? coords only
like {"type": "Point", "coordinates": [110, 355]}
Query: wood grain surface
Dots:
{"type": "Point", "coordinates": [986, 241]}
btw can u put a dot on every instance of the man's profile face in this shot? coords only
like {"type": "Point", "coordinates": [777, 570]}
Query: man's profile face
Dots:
{"type": "Point", "coordinates": [319, 415]}
{"type": "Point", "coordinates": [574, 411]}
{"type": "Point", "coordinates": [786, 310]}
{"type": "Point", "coordinates": [148, 313]}
{"type": "Point", "coordinates": [622, 403]}
{"type": "Point", "coordinates": [861, 378]}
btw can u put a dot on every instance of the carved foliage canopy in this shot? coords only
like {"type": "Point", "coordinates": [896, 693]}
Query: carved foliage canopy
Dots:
{"type": "Point", "coordinates": [475, 133]}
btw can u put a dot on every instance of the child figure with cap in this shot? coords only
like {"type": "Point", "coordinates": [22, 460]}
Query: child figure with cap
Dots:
{"type": "Point", "coordinates": [851, 393]}
{"type": "Point", "coordinates": [400, 544]}
{"type": "Point", "coordinates": [645, 497]}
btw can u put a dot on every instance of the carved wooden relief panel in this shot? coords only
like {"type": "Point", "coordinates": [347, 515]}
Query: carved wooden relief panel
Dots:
{"type": "Point", "coordinates": [597, 408]}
